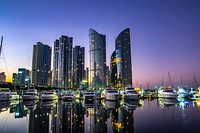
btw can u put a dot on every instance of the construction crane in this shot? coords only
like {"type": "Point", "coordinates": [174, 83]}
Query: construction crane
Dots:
{"type": "Point", "coordinates": [1, 45]}
{"type": "Point", "coordinates": [2, 56]}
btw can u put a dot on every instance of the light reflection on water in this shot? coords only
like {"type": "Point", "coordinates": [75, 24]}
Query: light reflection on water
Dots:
{"type": "Point", "coordinates": [149, 115]}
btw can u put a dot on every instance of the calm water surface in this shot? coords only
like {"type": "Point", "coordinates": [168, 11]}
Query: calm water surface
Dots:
{"type": "Point", "coordinates": [145, 116]}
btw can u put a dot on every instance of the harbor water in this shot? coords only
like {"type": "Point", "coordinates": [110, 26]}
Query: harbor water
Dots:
{"type": "Point", "coordinates": [144, 116]}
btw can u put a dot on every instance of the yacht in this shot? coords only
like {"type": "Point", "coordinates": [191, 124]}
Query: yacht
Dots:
{"type": "Point", "coordinates": [49, 96]}
{"type": "Point", "coordinates": [184, 92]}
{"type": "Point", "coordinates": [68, 96]}
{"type": "Point", "coordinates": [111, 94]}
{"type": "Point", "coordinates": [6, 96]}
{"type": "Point", "coordinates": [166, 93]}
{"type": "Point", "coordinates": [31, 94]}
{"type": "Point", "coordinates": [131, 94]}
{"type": "Point", "coordinates": [89, 96]}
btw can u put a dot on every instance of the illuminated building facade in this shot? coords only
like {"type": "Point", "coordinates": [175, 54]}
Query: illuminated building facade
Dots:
{"type": "Point", "coordinates": [97, 59]}
{"type": "Point", "coordinates": [62, 62]}
{"type": "Point", "coordinates": [123, 43]}
{"type": "Point", "coordinates": [41, 64]}
{"type": "Point", "coordinates": [23, 77]}
{"type": "Point", "coordinates": [116, 69]}
{"type": "Point", "coordinates": [78, 65]}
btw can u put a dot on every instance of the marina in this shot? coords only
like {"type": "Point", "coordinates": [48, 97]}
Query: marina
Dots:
{"type": "Point", "coordinates": [100, 66]}
{"type": "Point", "coordinates": [143, 115]}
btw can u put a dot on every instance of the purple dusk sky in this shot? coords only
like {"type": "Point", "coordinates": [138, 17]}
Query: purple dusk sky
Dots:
{"type": "Point", "coordinates": [165, 34]}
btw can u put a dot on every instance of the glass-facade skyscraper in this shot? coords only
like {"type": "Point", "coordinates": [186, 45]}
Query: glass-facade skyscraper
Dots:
{"type": "Point", "coordinates": [97, 65]}
{"type": "Point", "coordinates": [78, 65]}
{"type": "Point", "coordinates": [41, 64]}
{"type": "Point", "coordinates": [123, 44]}
{"type": "Point", "coordinates": [116, 69]}
{"type": "Point", "coordinates": [62, 62]}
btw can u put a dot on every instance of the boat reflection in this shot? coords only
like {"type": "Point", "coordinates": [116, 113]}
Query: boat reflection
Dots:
{"type": "Point", "coordinates": [48, 104]}
{"type": "Point", "coordinates": [60, 116]}
{"type": "Point", "coordinates": [130, 104]}
{"type": "Point", "coordinates": [30, 104]}
{"type": "Point", "coordinates": [166, 102]}
{"type": "Point", "coordinates": [111, 104]}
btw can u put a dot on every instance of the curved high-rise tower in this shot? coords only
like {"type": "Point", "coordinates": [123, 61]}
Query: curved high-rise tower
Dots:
{"type": "Point", "coordinates": [97, 53]}
{"type": "Point", "coordinates": [123, 43]}
{"type": "Point", "coordinates": [116, 69]}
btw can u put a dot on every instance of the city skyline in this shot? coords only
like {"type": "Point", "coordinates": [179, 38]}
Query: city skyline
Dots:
{"type": "Point", "coordinates": [161, 41]}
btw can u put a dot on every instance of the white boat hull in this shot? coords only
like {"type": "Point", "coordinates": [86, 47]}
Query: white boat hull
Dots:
{"type": "Point", "coordinates": [113, 97]}
{"type": "Point", "coordinates": [28, 97]}
{"type": "Point", "coordinates": [68, 98]}
{"type": "Point", "coordinates": [131, 96]}
{"type": "Point", "coordinates": [89, 98]}
{"type": "Point", "coordinates": [165, 95]}
{"type": "Point", "coordinates": [49, 97]}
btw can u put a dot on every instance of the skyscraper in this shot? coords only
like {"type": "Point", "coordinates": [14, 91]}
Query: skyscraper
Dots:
{"type": "Point", "coordinates": [41, 64]}
{"type": "Point", "coordinates": [122, 43]}
{"type": "Point", "coordinates": [78, 65]}
{"type": "Point", "coordinates": [116, 69]}
{"type": "Point", "coordinates": [62, 62]}
{"type": "Point", "coordinates": [97, 59]}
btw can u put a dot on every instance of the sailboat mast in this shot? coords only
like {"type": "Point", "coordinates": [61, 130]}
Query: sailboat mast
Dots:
{"type": "Point", "coordinates": [195, 81]}
{"type": "Point", "coordinates": [181, 81]}
{"type": "Point", "coordinates": [170, 80]}
{"type": "Point", "coordinates": [163, 84]}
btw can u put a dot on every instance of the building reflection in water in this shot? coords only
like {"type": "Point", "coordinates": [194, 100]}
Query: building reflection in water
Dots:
{"type": "Point", "coordinates": [74, 117]}
{"type": "Point", "coordinates": [123, 117]}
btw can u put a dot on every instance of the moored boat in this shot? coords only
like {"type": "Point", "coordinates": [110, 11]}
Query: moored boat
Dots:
{"type": "Point", "coordinates": [166, 93]}
{"type": "Point", "coordinates": [89, 96]}
{"type": "Point", "coordinates": [49, 96]}
{"type": "Point", "coordinates": [6, 96]}
{"type": "Point", "coordinates": [111, 94]}
{"type": "Point", "coordinates": [31, 94]}
{"type": "Point", "coordinates": [131, 94]}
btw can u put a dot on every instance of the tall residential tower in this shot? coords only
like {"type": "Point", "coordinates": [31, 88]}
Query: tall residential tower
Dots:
{"type": "Point", "coordinates": [78, 65]}
{"type": "Point", "coordinates": [62, 62]}
{"type": "Point", "coordinates": [123, 45]}
{"type": "Point", "coordinates": [97, 53]}
{"type": "Point", "coordinates": [41, 64]}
